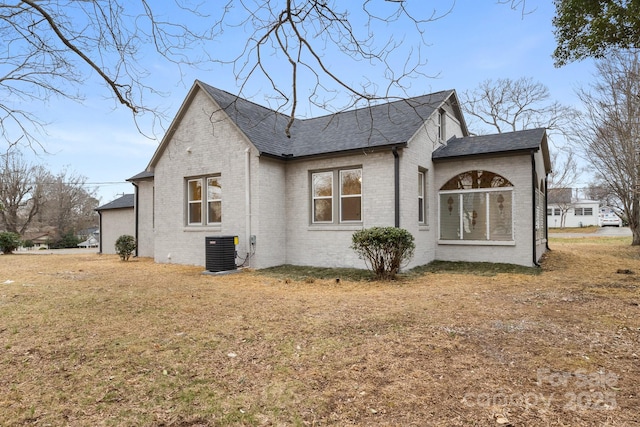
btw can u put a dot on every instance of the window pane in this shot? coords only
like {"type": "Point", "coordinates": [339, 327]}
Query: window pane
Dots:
{"type": "Point", "coordinates": [351, 182]}
{"type": "Point", "coordinates": [350, 190]}
{"type": "Point", "coordinates": [195, 190]}
{"type": "Point", "coordinates": [450, 216]}
{"type": "Point", "coordinates": [351, 209]}
{"type": "Point", "coordinates": [501, 219]}
{"type": "Point", "coordinates": [474, 218]}
{"type": "Point", "coordinates": [420, 197]}
{"type": "Point", "coordinates": [195, 213]}
{"type": "Point", "coordinates": [322, 210]}
{"type": "Point", "coordinates": [214, 189]}
{"type": "Point", "coordinates": [215, 212]}
{"type": "Point", "coordinates": [322, 184]}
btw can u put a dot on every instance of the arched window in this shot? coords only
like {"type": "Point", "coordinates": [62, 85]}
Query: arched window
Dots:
{"type": "Point", "coordinates": [476, 205]}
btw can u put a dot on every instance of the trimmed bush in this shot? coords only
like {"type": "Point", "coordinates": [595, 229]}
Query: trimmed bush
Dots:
{"type": "Point", "coordinates": [384, 249]}
{"type": "Point", "coordinates": [125, 246]}
{"type": "Point", "coordinates": [9, 242]}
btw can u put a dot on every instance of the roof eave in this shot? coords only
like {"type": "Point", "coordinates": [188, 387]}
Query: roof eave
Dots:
{"type": "Point", "coordinates": [349, 152]}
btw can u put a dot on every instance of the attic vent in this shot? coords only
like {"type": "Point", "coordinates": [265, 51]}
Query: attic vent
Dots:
{"type": "Point", "coordinates": [220, 253]}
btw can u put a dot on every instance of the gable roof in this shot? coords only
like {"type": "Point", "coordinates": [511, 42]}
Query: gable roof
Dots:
{"type": "Point", "coordinates": [559, 195]}
{"type": "Point", "coordinates": [501, 143]}
{"type": "Point", "coordinates": [125, 201]}
{"type": "Point", "coordinates": [388, 124]}
{"type": "Point", "coordinates": [381, 125]}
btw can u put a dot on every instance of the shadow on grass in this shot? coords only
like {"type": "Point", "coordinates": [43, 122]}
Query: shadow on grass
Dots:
{"type": "Point", "coordinates": [294, 272]}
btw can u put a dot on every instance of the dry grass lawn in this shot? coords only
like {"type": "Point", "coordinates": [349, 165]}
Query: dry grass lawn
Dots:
{"type": "Point", "coordinates": [88, 340]}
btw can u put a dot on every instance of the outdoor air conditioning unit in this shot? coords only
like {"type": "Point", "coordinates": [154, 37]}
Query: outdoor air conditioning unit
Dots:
{"type": "Point", "coordinates": [220, 253]}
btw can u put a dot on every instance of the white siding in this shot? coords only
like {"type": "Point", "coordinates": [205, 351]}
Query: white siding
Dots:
{"type": "Point", "coordinates": [573, 220]}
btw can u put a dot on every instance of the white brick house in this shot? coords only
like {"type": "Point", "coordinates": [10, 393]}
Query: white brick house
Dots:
{"type": "Point", "coordinates": [226, 167]}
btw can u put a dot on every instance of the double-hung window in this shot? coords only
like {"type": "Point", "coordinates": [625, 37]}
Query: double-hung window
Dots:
{"type": "Point", "coordinates": [194, 201]}
{"type": "Point", "coordinates": [204, 207]}
{"type": "Point", "coordinates": [422, 207]}
{"type": "Point", "coordinates": [342, 204]}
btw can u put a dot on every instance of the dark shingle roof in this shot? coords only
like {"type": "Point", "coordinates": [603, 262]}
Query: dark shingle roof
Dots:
{"type": "Point", "coordinates": [141, 175]}
{"type": "Point", "coordinates": [377, 126]}
{"type": "Point", "coordinates": [524, 140]}
{"type": "Point", "coordinates": [126, 201]}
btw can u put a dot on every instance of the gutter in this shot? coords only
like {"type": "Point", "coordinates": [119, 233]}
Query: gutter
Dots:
{"type": "Point", "coordinates": [100, 231]}
{"type": "Point", "coordinates": [396, 170]}
{"type": "Point", "coordinates": [546, 206]}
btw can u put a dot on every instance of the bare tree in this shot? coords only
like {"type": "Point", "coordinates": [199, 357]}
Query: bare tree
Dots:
{"type": "Point", "coordinates": [21, 192]}
{"type": "Point", "coordinates": [52, 47]}
{"type": "Point", "coordinates": [609, 131]}
{"type": "Point", "coordinates": [67, 205]}
{"type": "Point", "coordinates": [507, 105]}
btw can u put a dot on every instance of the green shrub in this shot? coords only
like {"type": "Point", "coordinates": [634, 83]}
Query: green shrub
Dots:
{"type": "Point", "coordinates": [125, 246]}
{"type": "Point", "coordinates": [384, 249]}
{"type": "Point", "coordinates": [9, 242]}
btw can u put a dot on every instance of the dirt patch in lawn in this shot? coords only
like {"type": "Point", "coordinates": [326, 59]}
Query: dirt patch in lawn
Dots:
{"type": "Point", "coordinates": [90, 340]}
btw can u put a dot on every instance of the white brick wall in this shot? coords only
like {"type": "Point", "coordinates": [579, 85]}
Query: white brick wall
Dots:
{"type": "Point", "coordinates": [516, 169]}
{"type": "Point", "coordinates": [115, 223]}
{"type": "Point", "coordinates": [203, 144]}
{"type": "Point", "coordinates": [145, 218]}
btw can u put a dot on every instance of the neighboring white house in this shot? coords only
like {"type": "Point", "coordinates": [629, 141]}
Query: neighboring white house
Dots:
{"type": "Point", "coordinates": [116, 218]}
{"type": "Point", "coordinates": [227, 168]}
{"type": "Point", "coordinates": [581, 213]}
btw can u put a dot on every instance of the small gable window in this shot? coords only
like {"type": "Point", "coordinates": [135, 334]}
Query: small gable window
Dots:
{"type": "Point", "coordinates": [476, 205]}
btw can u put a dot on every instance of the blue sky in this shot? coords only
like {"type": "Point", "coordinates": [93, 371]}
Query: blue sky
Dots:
{"type": "Point", "coordinates": [478, 40]}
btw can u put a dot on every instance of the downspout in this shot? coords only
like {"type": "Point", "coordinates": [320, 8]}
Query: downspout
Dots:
{"type": "Point", "coordinates": [533, 207]}
{"type": "Point", "coordinates": [546, 206]}
{"type": "Point", "coordinates": [247, 203]}
{"type": "Point", "coordinates": [396, 170]}
{"type": "Point", "coordinates": [100, 231]}
{"type": "Point", "coordinates": [135, 210]}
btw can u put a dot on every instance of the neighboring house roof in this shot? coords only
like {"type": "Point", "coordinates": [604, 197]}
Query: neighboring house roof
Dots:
{"type": "Point", "coordinates": [500, 143]}
{"type": "Point", "coordinates": [559, 195]}
{"type": "Point", "coordinates": [388, 124]}
{"type": "Point", "coordinates": [125, 201]}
